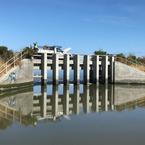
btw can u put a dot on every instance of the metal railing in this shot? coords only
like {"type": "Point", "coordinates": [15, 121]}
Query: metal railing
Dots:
{"type": "Point", "coordinates": [11, 63]}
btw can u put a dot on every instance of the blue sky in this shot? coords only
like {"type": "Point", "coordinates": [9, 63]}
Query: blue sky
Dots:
{"type": "Point", "coordinates": [84, 25]}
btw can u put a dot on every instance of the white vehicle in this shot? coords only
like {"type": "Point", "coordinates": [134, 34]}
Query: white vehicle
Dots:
{"type": "Point", "coordinates": [53, 50]}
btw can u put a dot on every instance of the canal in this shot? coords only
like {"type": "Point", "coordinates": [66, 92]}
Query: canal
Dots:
{"type": "Point", "coordinates": [73, 115]}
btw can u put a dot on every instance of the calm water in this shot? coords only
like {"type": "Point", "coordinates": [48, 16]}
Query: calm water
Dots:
{"type": "Point", "coordinates": [73, 115]}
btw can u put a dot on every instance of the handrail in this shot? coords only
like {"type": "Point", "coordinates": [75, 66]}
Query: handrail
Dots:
{"type": "Point", "coordinates": [8, 65]}
{"type": "Point", "coordinates": [14, 59]}
{"type": "Point", "coordinates": [10, 59]}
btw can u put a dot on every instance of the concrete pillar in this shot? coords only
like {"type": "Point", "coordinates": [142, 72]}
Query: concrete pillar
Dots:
{"type": "Point", "coordinates": [112, 69]}
{"type": "Point", "coordinates": [44, 68]}
{"type": "Point", "coordinates": [95, 67]}
{"type": "Point", "coordinates": [76, 99]}
{"type": "Point", "coordinates": [55, 67]}
{"type": "Point", "coordinates": [66, 99]}
{"type": "Point", "coordinates": [86, 69]}
{"type": "Point", "coordinates": [86, 98]}
{"type": "Point", "coordinates": [43, 105]}
{"type": "Point", "coordinates": [55, 101]}
{"type": "Point", "coordinates": [76, 69]}
{"type": "Point", "coordinates": [95, 93]}
{"type": "Point", "coordinates": [91, 76]}
{"type": "Point", "coordinates": [112, 95]}
{"type": "Point", "coordinates": [106, 98]}
{"type": "Point", "coordinates": [66, 69]}
{"type": "Point", "coordinates": [105, 69]}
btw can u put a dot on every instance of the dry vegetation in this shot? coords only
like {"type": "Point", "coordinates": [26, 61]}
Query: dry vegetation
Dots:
{"type": "Point", "coordinates": [1, 63]}
{"type": "Point", "coordinates": [131, 59]}
{"type": "Point", "coordinates": [133, 63]}
{"type": "Point", "coordinates": [140, 67]}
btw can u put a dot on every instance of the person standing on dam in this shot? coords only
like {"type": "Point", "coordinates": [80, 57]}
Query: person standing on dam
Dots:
{"type": "Point", "coordinates": [35, 46]}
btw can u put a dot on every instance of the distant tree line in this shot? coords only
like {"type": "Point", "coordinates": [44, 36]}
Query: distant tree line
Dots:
{"type": "Point", "coordinates": [29, 52]}
{"type": "Point", "coordinates": [130, 56]}
{"type": "Point", "coordinates": [6, 53]}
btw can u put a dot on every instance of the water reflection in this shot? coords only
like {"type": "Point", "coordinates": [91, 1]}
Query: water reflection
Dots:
{"type": "Point", "coordinates": [54, 103]}
{"type": "Point", "coordinates": [78, 99]}
{"type": "Point", "coordinates": [16, 108]}
{"type": "Point", "coordinates": [90, 99]}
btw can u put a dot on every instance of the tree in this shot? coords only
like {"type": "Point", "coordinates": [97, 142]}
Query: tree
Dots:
{"type": "Point", "coordinates": [29, 52]}
{"type": "Point", "coordinates": [141, 59]}
{"type": "Point", "coordinates": [5, 53]}
{"type": "Point", "coordinates": [120, 55]}
{"type": "Point", "coordinates": [100, 52]}
{"type": "Point", "coordinates": [132, 56]}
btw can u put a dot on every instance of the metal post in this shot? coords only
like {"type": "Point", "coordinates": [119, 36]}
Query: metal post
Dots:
{"type": "Point", "coordinates": [14, 61]}
{"type": "Point", "coordinates": [6, 67]}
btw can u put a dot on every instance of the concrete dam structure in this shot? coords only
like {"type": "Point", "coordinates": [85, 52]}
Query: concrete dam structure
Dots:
{"type": "Point", "coordinates": [75, 69]}
{"type": "Point", "coordinates": [23, 72]}
{"type": "Point", "coordinates": [96, 69]}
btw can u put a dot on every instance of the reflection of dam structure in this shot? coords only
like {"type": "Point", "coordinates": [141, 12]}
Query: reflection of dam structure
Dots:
{"type": "Point", "coordinates": [9, 113]}
{"type": "Point", "coordinates": [85, 99]}
{"type": "Point", "coordinates": [16, 108]}
{"type": "Point", "coordinates": [55, 102]}
{"type": "Point", "coordinates": [92, 99]}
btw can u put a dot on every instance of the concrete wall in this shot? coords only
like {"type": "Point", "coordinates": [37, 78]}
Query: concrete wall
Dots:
{"type": "Point", "coordinates": [127, 74]}
{"type": "Point", "coordinates": [24, 73]}
{"type": "Point", "coordinates": [22, 101]}
{"type": "Point", "coordinates": [128, 93]}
